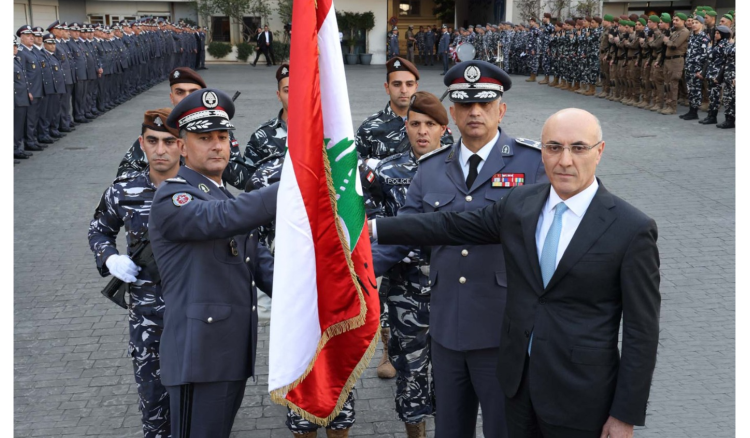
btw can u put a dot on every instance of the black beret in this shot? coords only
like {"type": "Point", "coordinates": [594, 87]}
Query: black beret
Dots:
{"type": "Point", "coordinates": [400, 64]}
{"type": "Point", "coordinates": [476, 81]}
{"type": "Point", "coordinates": [203, 111]}
{"type": "Point", "coordinates": [185, 75]}
{"type": "Point", "coordinates": [282, 72]}
{"type": "Point", "coordinates": [428, 104]}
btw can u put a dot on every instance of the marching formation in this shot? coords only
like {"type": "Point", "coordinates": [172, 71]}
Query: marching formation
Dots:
{"type": "Point", "coordinates": [71, 73]}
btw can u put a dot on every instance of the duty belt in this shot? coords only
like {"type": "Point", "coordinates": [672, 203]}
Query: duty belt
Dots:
{"type": "Point", "coordinates": [675, 56]}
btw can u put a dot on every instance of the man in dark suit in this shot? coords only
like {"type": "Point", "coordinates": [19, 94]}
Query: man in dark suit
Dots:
{"type": "Point", "coordinates": [198, 230]}
{"type": "Point", "coordinates": [264, 39]}
{"type": "Point", "coordinates": [468, 282]}
{"type": "Point", "coordinates": [578, 258]}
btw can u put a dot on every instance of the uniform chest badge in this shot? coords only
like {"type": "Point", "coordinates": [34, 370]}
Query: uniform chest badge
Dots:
{"type": "Point", "coordinates": [203, 187]}
{"type": "Point", "coordinates": [508, 179]}
{"type": "Point", "coordinates": [33, 66]}
{"type": "Point", "coordinates": [180, 199]}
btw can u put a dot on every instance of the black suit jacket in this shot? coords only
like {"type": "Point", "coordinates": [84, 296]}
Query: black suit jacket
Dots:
{"type": "Point", "coordinates": [608, 273]}
{"type": "Point", "coordinates": [261, 39]}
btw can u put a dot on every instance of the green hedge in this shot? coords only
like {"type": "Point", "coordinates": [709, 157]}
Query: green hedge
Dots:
{"type": "Point", "coordinates": [219, 50]}
{"type": "Point", "coordinates": [244, 50]}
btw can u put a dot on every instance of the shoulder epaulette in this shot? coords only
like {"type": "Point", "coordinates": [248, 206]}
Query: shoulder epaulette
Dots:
{"type": "Point", "coordinates": [269, 158]}
{"type": "Point", "coordinates": [389, 159]}
{"type": "Point", "coordinates": [435, 152]}
{"type": "Point", "coordinates": [176, 179]}
{"type": "Point", "coordinates": [529, 143]}
{"type": "Point", "coordinates": [128, 175]}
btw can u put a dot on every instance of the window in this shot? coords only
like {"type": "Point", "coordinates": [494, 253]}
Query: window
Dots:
{"type": "Point", "coordinates": [251, 24]}
{"type": "Point", "coordinates": [409, 7]}
{"type": "Point", "coordinates": [220, 29]}
{"type": "Point", "coordinates": [96, 19]}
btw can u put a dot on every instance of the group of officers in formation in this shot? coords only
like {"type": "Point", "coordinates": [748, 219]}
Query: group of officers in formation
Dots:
{"type": "Point", "coordinates": [651, 62]}
{"type": "Point", "coordinates": [71, 73]}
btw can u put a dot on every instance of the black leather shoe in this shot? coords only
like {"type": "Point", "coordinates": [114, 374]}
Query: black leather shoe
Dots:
{"type": "Point", "coordinates": [55, 134]}
{"type": "Point", "coordinates": [20, 155]}
{"type": "Point", "coordinates": [45, 140]}
{"type": "Point", "coordinates": [64, 129]}
{"type": "Point", "coordinates": [79, 121]}
{"type": "Point", "coordinates": [32, 147]}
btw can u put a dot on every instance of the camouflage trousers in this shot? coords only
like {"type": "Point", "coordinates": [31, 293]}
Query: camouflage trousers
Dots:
{"type": "Point", "coordinates": [344, 420]}
{"type": "Point", "coordinates": [592, 70]}
{"type": "Point", "coordinates": [506, 58]}
{"type": "Point", "coordinates": [533, 63]}
{"type": "Point", "coordinates": [546, 64]}
{"type": "Point", "coordinates": [382, 292]}
{"type": "Point", "coordinates": [409, 351]}
{"type": "Point", "coordinates": [729, 97]}
{"type": "Point", "coordinates": [146, 325]}
{"type": "Point", "coordinates": [714, 95]}
{"type": "Point", "coordinates": [695, 89]}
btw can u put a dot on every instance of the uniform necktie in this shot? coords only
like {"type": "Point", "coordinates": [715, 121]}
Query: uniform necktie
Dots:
{"type": "Point", "coordinates": [226, 192]}
{"type": "Point", "coordinates": [548, 262]}
{"type": "Point", "coordinates": [474, 161]}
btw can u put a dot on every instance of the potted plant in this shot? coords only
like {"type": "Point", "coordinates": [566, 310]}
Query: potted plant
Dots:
{"type": "Point", "coordinates": [347, 22]}
{"type": "Point", "coordinates": [366, 23]}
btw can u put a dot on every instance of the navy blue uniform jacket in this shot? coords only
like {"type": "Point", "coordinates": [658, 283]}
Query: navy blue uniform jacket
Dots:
{"type": "Point", "coordinates": [210, 322]}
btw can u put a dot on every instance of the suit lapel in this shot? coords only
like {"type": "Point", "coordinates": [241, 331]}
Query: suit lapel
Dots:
{"type": "Point", "coordinates": [532, 207]}
{"type": "Point", "coordinates": [598, 218]}
{"type": "Point", "coordinates": [453, 168]}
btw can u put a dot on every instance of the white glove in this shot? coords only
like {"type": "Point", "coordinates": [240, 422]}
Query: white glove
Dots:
{"type": "Point", "coordinates": [122, 267]}
{"type": "Point", "coordinates": [409, 256]}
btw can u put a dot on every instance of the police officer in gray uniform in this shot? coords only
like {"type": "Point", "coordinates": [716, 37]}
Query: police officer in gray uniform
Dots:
{"type": "Point", "coordinates": [468, 282]}
{"type": "Point", "coordinates": [51, 116]}
{"type": "Point", "coordinates": [21, 101]}
{"type": "Point", "coordinates": [198, 229]}
{"type": "Point", "coordinates": [62, 53]}
{"type": "Point", "coordinates": [33, 66]}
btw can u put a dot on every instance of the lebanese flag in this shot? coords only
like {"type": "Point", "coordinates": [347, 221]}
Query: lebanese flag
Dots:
{"type": "Point", "coordinates": [324, 318]}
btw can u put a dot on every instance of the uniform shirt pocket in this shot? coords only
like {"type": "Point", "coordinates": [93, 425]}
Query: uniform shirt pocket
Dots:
{"type": "Point", "coordinates": [209, 313]}
{"type": "Point", "coordinates": [437, 201]}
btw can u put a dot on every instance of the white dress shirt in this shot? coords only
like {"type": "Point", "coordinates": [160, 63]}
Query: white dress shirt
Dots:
{"type": "Point", "coordinates": [571, 218]}
{"type": "Point", "coordinates": [483, 153]}
{"type": "Point", "coordinates": [266, 35]}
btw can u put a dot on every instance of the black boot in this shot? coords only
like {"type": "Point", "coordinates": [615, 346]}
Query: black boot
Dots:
{"type": "Point", "coordinates": [710, 118]}
{"type": "Point", "coordinates": [728, 123]}
{"type": "Point", "coordinates": [691, 115]}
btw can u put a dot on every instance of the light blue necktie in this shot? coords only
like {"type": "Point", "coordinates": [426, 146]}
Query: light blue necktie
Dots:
{"type": "Point", "coordinates": [549, 250]}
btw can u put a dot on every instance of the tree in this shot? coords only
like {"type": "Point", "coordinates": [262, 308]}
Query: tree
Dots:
{"type": "Point", "coordinates": [204, 9]}
{"type": "Point", "coordinates": [445, 10]}
{"type": "Point", "coordinates": [284, 9]}
{"type": "Point", "coordinates": [262, 9]}
{"type": "Point", "coordinates": [235, 10]}
{"type": "Point", "coordinates": [556, 8]}
{"type": "Point", "coordinates": [528, 9]}
{"type": "Point", "coordinates": [587, 8]}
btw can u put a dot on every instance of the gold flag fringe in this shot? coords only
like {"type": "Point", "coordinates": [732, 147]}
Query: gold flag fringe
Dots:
{"type": "Point", "coordinates": [279, 395]}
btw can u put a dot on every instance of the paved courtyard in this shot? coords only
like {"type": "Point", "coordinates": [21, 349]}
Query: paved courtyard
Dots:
{"type": "Point", "coordinates": [72, 374]}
